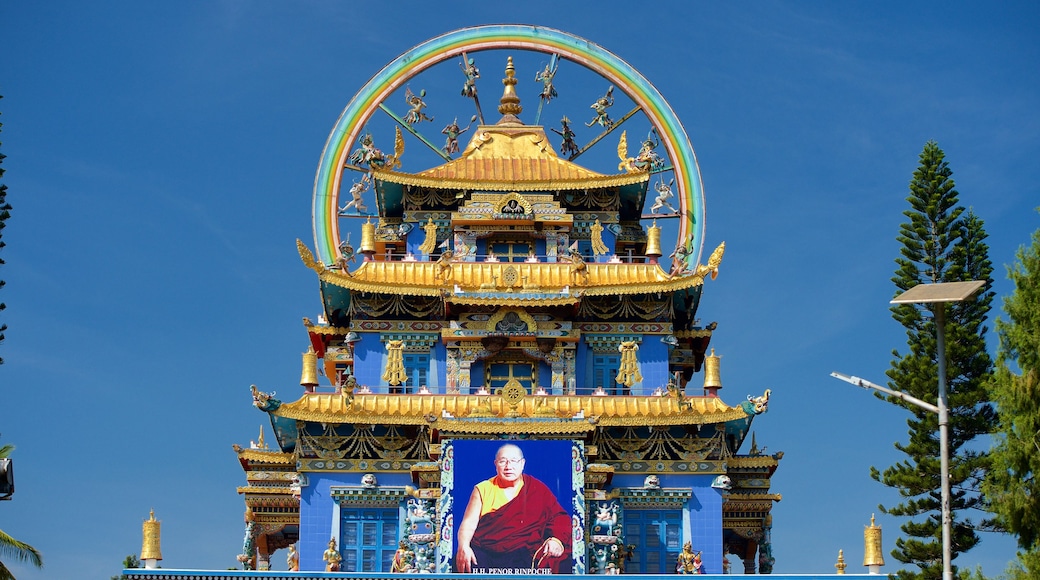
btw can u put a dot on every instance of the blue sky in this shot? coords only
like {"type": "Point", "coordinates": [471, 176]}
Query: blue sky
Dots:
{"type": "Point", "coordinates": [161, 157]}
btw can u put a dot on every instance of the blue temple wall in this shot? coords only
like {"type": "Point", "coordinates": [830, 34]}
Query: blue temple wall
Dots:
{"type": "Point", "coordinates": [702, 514]}
{"type": "Point", "coordinates": [317, 510]}
{"type": "Point", "coordinates": [438, 373]}
{"type": "Point", "coordinates": [369, 360]}
{"type": "Point", "coordinates": [544, 377]}
{"type": "Point", "coordinates": [653, 364]}
{"type": "Point", "coordinates": [582, 365]}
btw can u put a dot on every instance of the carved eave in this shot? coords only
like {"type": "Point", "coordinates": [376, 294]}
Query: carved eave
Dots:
{"type": "Point", "coordinates": [385, 177]}
{"type": "Point", "coordinates": [509, 158]}
{"type": "Point", "coordinates": [257, 457]}
{"type": "Point", "coordinates": [760, 461]}
{"type": "Point", "coordinates": [492, 414]}
{"type": "Point", "coordinates": [424, 279]}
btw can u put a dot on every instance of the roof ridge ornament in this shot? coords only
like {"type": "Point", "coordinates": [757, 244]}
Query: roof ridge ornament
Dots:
{"type": "Point", "coordinates": [509, 103]}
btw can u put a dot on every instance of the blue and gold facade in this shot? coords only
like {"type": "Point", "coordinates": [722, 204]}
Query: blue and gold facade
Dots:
{"type": "Point", "coordinates": [508, 294]}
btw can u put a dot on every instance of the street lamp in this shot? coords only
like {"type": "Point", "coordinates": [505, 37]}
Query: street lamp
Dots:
{"type": "Point", "coordinates": [939, 293]}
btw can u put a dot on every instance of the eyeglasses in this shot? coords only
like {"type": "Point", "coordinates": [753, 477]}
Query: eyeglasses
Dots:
{"type": "Point", "coordinates": [504, 462]}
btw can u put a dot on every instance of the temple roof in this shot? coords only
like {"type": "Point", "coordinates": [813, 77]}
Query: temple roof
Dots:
{"type": "Point", "coordinates": [510, 158]}
{"type": "Point", "coordinates": [504, 280]}
{"type": "Point", "coordinates": [476, 413]}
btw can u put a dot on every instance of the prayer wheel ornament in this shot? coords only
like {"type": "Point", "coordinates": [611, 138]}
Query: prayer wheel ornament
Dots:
{"type": "Point", "coordinates": [872, 557]}
{"type": "Point", "coordinates": [712, 378]}
{"type": "Point", "coordinates": [309, 374]}
{"type": "Point", "coordinates": [150, 542]}
{"type": "Point", "coordinates": [653, 241]}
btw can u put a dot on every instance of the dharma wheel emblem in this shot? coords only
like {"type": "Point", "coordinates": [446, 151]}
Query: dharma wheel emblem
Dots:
{"type": "Point", "coordinates": [513, 393]}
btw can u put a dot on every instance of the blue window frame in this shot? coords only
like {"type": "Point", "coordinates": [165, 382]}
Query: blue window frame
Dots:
{"type": "Point", "coordinates": [416, 366]}
{"type": "Point", "coordinates": [604, 373]}
{"type": "Point", "coordinates": [658, 537]}
{"type": "Point", "coordinates": [510, 250]}
{"type": "Point", "coordinates": [500, 372]}
{"type": "Point", "coordinates": [368, 539]}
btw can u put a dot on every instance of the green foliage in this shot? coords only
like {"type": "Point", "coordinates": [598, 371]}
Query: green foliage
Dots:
{"type": "Point", "coordinates": [130, 561]}
{"type": "Point", "coordinates": [5, 212]}
{"type": "Point", "coordinates": [12, 549]}
{"type": "Point", "coordinates": [941, 243]}
{"type": "Point", "coordinates": [1011, 485]}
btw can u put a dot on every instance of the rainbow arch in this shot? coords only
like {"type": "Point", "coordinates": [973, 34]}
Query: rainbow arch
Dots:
{"type": "Point", "coordinates": [348, 128]}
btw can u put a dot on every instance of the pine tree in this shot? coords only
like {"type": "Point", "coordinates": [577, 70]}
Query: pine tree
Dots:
{"type": "Point", "coordinates": [940, 244]}
{"type": "Point", "coordinates": [5, 212]}
{"type": "Point", "coordinates": [1011, 485]}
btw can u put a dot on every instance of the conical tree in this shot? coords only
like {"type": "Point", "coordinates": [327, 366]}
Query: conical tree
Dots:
{"type": "Point", "coordinates": [12, 549]}
{"type": "Point", "coordinates": [940, 244]}
{"type": "Point", "coordinates": [5, 212]}
{"type": "Point", "coordinates": [1011, 485]}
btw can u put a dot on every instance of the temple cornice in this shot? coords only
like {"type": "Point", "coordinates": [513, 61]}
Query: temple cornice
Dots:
{"type": "Point", "coordinates": [559, 414]}
{"type": "Point", "coordinates": [489, 280]}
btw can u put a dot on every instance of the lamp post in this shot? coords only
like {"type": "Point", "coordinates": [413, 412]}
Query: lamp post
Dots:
{"type": "Point", "coordinates": [938, 293]}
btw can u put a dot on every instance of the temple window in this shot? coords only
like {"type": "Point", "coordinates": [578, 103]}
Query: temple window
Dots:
{"type": "Point", "coordinates": [604, 371]}
{"type": "Point", "coordinates": [510, 250]}
{"type": "Point", "coordinates": [498, 373]}
{"type": "Point", "coordinates": [368, 539]}
{"type": "Point", "coordinates": [416, 367]}
{"type": "Point", "coordinates": [658, 534]}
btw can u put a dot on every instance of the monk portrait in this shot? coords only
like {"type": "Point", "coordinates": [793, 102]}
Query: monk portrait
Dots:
{"type": "Point", "coordinates": [513, 523]}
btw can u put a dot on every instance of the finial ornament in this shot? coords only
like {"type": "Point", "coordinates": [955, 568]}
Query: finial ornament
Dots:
{"type": "Point", "coordinates": [510, 103]}
{"type": "Point", "coordinates": [873, 559]}
{"type": "Point", "coordinates": [151, 551]}
{"type": "Point", "coordinates": [841, 565]}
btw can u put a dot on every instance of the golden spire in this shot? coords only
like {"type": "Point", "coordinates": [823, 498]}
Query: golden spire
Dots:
{"type": "Point", "coordinates": [510, 103]}
{"type": "Point", "coordinates": [309, 375]}
{"type": "Point", "coordinates": [653, 241]}
{"type": "Point", "coordinates": [150, 549]}
{"type": "Point", "coordinates": [872, 557]}
{"type": "Point", "coordinates": [712, 378]}
{"type": "Point", "coordinates": [841, 565]}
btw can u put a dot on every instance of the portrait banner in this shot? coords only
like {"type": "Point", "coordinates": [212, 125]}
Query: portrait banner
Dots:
{"type": "Point", "coordinates": [512, 507]}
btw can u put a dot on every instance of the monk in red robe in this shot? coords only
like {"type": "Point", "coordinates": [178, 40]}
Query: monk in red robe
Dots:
{"type": "Point", "coordinates": [513, 521]}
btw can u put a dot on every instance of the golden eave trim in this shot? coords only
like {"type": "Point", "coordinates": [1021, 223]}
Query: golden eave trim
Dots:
{"type": "Point", "coordinates": [263, 456]}
{"type": "Point", "coordinates": [591, 182]}
{"type": "Point", "coordinates": [603, 279]}
{"type": "Point", "coordinates": [322, 329]}
{"type": "Point", "coordinates": [518, 299]}
{"type": "Point", "coordinates": [442, 410]}
{"type": "Point", "coordinates": [763, 461]}
{"type": "Point", "coordinates": [736, 497]}
{"type": "Point", "coordinates": [257, 490]}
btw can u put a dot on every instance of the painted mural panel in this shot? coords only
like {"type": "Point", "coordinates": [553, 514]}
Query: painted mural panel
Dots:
{"type": "Point", "coordinates": [512, 507]}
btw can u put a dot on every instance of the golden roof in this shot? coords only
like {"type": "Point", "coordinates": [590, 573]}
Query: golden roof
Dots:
{"type": "Point", "coordinates": [751, 462]}
{"type": "Point", "coordinates": [510, 157]}
{"type": "Point", "coordinates": [504, 280]}
{"type": "Point", "coordinates": [549, 414]}
{"type": "Point", "coordinates": [264, 456]}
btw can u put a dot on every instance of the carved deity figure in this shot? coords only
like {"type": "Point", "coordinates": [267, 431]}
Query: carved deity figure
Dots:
{"type": "Point", "coordinates": [469, 68]}
{"type": "Point", "coordinates": [331, 557]}
{"type": "Point", "coordinates": [568, 147]}
{"type": "Point", "coordinates": [453, 131]}
{"type": "Point", "coordinates": [600, 107]}
{"type": "Point", "coordinates": [292, 560]}
{"type": "Point", "coordinates": [664, 191]}
{"type": "Point", "coordinates": [546, 78]}
{"type": "Point", "coordinates": [356, 191]}
{"type": "Point", "coordinates": [689, 562]}
{"type": "Point", "coordinates": [404, 559]}
{"type": "Point", "coordinates": [416, 103]}
{"type": "Point", "coordinates": [579, 269]}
